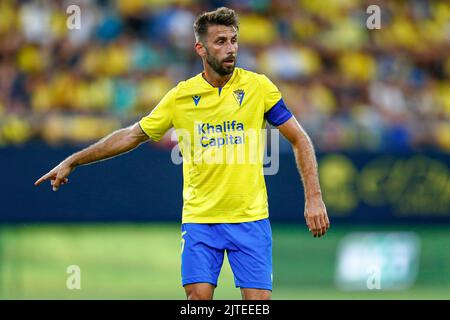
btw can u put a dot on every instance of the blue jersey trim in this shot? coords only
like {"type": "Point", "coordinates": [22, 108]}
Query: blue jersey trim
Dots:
{"type": "Point", "coordinates": [279, 114]}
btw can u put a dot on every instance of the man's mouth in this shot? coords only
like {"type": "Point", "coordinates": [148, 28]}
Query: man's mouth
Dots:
{"type": "Point", "coordinates": [229, 60]}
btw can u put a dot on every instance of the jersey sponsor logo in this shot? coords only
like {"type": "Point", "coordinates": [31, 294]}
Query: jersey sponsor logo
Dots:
{"type": "Point", "coordinates": [239, 96]}
{"type": "Point", "coordinates": [196, 99]}
{"type": "Point", "coordinates": [222, 141]}
{"type": "Point", "coordinates": [226, 126]}
{"type": "Point", "coordinates": [231, 132]}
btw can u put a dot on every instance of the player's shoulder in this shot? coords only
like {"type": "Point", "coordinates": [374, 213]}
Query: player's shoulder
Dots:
{"type": "Point", "coordinates": [252, 76]}
{"type": "Point", "coordinates": [247, 74]}
{"type": "Point", "coordinates": [178, 90]}
{"type": "Point", "coordinates": [189, 85]}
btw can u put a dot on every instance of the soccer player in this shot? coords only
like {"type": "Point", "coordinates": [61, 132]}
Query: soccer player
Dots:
{"type": "Point", "coordinates": [225, 205]}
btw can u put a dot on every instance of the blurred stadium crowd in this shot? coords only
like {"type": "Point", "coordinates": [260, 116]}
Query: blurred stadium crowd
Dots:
{"type": "Point", "coordinates": [350, 87]}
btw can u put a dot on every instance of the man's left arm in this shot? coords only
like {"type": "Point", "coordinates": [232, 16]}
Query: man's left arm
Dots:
{"type": "Point", "coordinates": [315, 211]}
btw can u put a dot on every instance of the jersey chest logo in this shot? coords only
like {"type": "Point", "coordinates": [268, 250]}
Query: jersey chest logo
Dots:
{"type": "Point", "coordinates": [239, 96]}
{"type": "Point", "coordinates": [196, 99]}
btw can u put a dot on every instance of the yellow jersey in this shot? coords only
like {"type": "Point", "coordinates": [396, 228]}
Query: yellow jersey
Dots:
{"type": "Point", "coordinates": [221, 140]}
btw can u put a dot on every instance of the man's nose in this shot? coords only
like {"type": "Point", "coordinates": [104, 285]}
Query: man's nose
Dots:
{"type": "Point", "coordinates": [231, 48]}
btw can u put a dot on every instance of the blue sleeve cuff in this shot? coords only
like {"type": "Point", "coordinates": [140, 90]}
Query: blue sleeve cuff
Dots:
{"type": "Point", "coordinates": [279, 114]}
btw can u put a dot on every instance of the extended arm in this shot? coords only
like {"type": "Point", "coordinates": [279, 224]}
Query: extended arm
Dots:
{"type": "Point", "coordinates": [315, 210]}
{"type": "Point", "coordinates": [118, 142]}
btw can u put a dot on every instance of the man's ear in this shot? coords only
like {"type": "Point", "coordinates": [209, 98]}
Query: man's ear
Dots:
{"type": "Point", "coordinates": [200, 49]}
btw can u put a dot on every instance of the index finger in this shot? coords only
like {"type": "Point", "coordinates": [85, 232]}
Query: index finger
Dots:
{"type": "Point", "coordinates": [43, 178]}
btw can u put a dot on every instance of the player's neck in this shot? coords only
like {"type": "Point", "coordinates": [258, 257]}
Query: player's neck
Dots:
{"type": "Point", "coordinates": [214, 78]}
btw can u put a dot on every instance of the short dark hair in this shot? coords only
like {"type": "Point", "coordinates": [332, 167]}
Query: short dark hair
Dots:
{"type": "Point", "coordinates": [222, 16]}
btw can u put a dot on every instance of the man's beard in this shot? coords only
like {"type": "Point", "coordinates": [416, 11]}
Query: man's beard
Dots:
{"type": "Point", "coordinates": [218, 66]}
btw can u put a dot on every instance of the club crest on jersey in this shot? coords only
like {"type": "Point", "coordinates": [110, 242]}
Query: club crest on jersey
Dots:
{"type": "Point", "coordinates": [239, 95]}
{"type": "Point", "coordinates": [196, 99]}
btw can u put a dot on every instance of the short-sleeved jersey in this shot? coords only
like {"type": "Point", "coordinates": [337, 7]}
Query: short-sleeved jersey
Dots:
{"type": "Point", "coordinates": [221, 140]}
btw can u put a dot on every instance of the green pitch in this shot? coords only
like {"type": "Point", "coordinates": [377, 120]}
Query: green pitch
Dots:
{"type": "Point", "coordinates": [142, 261]}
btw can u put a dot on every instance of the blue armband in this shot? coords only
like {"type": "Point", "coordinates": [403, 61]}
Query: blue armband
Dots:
{"type": "Point", "coordinates": [278, 114]}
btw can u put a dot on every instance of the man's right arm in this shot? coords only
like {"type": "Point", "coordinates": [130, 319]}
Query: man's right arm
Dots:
{"type": "Point", "coordinates": [118, 142]}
